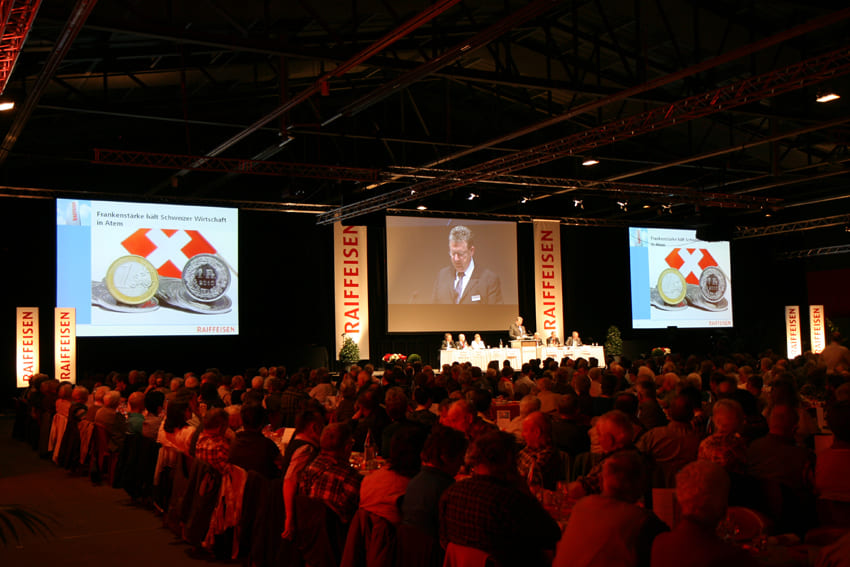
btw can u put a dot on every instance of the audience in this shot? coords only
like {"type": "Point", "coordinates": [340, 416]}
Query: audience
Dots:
{"type": "Point", "coordinates": [702, 490]}
{"type": "Point", "coordinates": [491, 511]}
{"type": "Point", "coordinates": [610, 528]}
{"type": "Point", "coordinates": [329, 477]}
{"type": "Point", "coordinates": [414, 490]}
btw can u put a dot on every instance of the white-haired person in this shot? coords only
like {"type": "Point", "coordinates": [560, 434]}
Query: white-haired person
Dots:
{"type": "Point", "coordinates": [702, 490]}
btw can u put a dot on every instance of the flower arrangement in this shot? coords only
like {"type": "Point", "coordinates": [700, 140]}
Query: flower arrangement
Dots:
{"type": "Point", "coordinates": [660, 351]}
{"type": "Point", "coordinates": [394, 357]}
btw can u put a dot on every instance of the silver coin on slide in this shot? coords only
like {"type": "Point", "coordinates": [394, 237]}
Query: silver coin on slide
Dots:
{"type": "Point", "coordinates": [712, 284]}
{"type": "Point", "coordinates": [206, 277]}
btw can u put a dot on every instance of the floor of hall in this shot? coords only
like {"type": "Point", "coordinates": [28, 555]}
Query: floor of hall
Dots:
{"type": "Point", "coordinates": [91, 525]}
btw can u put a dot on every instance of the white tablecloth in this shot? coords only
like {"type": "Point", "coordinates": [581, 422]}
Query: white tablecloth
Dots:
{"type": "Point", "coordinates": [480, 357]}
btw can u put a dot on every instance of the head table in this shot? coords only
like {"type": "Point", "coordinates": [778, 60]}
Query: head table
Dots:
{"type": "Point", "coordinates": [519, 356]}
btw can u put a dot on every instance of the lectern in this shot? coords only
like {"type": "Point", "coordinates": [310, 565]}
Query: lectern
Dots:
{"type": "Point", "coordinates": [527, 349]}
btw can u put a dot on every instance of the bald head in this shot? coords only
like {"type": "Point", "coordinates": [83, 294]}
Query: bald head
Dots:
{"type": "Point", "coordinates": [537, 431]}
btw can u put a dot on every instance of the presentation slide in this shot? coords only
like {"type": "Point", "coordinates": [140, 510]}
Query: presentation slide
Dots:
{"type": "Point", "coordinates": [450, 275]}
{"type": "Point", "coordinates": [678, 280]}
{"type": "Point", "coordinates": [134, 269]}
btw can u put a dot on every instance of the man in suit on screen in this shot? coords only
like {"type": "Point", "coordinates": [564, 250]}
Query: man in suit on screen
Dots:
{"type": "Point", "coordinates": [463, 281]}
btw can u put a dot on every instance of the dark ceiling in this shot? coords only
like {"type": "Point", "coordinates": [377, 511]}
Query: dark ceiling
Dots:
{"type": "Point", "coordinates": [700, 113]}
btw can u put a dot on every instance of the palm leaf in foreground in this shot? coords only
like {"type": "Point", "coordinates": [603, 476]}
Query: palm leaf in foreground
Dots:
{"type": "Point", "coordinates": [14, 517]}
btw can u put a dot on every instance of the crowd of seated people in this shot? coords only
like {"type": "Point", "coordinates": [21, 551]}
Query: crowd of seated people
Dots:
{"type": "Point", "coordinates": [448, 485]}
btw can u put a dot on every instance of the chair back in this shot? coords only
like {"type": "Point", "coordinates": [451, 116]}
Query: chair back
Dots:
{"type": "Point", "coordinates": [463, 556]}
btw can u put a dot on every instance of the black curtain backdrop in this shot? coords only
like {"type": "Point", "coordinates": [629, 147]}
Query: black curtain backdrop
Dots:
{"type": "Point", "coordinates": [286, 303]}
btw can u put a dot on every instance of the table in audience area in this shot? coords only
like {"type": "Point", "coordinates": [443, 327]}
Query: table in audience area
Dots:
{"type": "Point", "coordinates": [481, 357]}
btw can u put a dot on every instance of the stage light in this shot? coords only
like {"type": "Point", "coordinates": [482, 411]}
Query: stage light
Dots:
{"type": "Point", "coordinates": [828, 97]}
{"type": "Point", "coordinates": [372, 186]}
{"type": "Point", "coordinates": [624, 205]}
{"type": "Point", "coordinates": [668, 208]}
{"type": "Point", "coordinates": [421, 208]}
{"type": "Point", "coordinates": [413, 191]}
{"type": "Point", "coordinates": [524, 200]}
{"type": "Point", "coordinates": [589, 162]}
{"type": "Point", "coordinates": [472, 196]}
{"type": "Point", "coordinates": [578, 203]}
{"type": "Point", "coordinates": [6, 105]}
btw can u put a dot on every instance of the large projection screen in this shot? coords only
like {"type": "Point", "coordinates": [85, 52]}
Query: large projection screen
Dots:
{"type": "Point", "coordinates": [133, 269]}
{"type": "Point", "coordinates": [678, 280]}
{"type": "Point", "coordinates": [421, 276]}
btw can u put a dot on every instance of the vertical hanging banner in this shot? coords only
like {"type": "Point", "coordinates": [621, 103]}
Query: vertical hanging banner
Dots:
{"type": "Point", "coordinates": [548, 291]}
{"type": "Point", "coordinates": [351, 287]}
{"type": "Point", "coordinates": [65, 344]}
{"type": "Point", "coordinates": [817, 327]}
{"type": "Point", "coordinates": [792, 331]}
{"type": "Point", "coordinates": [26, 349]}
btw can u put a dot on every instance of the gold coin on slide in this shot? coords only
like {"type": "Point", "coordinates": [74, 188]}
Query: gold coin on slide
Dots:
{"type": "Point", "coordinates": [672, 286]}
{"type": "Point", "coordinates": [131, 280]}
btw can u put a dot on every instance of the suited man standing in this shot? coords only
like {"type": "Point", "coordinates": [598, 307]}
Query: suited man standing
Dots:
{"type": "Point", "coordinates": [517, 331]}
{"type": "Point", "coordinates": [463, 281]}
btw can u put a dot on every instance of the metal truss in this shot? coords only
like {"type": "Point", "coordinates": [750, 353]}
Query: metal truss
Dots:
{"type": "Point", "coordinates": [16, 17]}
{"type": "Point", "coordinates": [808, 72]}
{"type": "Point", "coordinates": [233, 165]}
{"type": "Point", "coordinates": [566, 221]}
{"type": "Point", "coordinates": [796, 226]}
{"type": "Point", "coordinates": [39, 193]}
{"type": "Point", "coordinates": [811, 252]}
{"type": "Point", "coordinates": [659, 193]}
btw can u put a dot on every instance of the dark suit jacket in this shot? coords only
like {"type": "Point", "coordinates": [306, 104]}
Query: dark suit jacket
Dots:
{"type": "Point", "coordinates": [553, 341]}
{"type": "Point", "coordinates": [484, 287]}
{"type": "Point", "coordinates": [515, 331]}
{"type": "Point", "coordinates": [570, 342]}
{"type": "Point", "coordinates": [447, 345]}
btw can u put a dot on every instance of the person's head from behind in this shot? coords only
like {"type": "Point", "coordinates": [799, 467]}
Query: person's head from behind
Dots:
{"type": "Point", "coordinates": [309, 423]}
{"type": "Point", "coordinates": [528, 405]}
{"type": "Point", "coordinates": [396, 403]}
{"type": "Point", "coordinates": [568, 405]}
{"type": "Point", "coordinates": [406, 449]}
{"type": "Point", "coordinates": [702, 489]}
{"type": "Point", "coordinates": [136, 401]}
{"type": "Point", "coordinates": [445, 449]}
{"type": "Point", "coordinates": [154, 401]}
{"type": "Point", "coordinates": [623, 476]}
{"type": "Point", "coordinates": [112, 399]}
{"type": "Point", "coordinates": [537, 431]}
{"type": "Point", "coordinates": [460, 415]}
{"type": "Point", "coordinates": [80, 395]}
{"type": "Point", "coordinates": [614, 430]}
{"type": "Point", "coordinates": [176, 416]}
{"type": "Point", "coordinates": [253, 417]}
{"type": "Point", "coordinates": [783, 420]}
{"type": "Point", "coordinates": [727, 416]}
{"type": "Point", "coordinates": [461, 247]}
{"type": "Point", "coordinates": [493, 454]}
{"type": "Point", "coordinates": [682, 409]}
{"type": "Point", "coordinates": [336, 440]}
{"type": "Point", "coordinates": [627, 403]}
{"type": "Point", "coordinates": [215, 422]}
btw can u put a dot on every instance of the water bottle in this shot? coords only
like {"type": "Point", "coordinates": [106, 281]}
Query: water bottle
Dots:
{"type": "Point", "coordinates": [370, 452]}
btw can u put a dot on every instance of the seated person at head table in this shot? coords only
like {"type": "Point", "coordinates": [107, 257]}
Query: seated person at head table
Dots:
{"type": "Point", "coordinates": [538, 338]}
{"type": "Point", "coordinates": [517, 330]}
{"type": "Point", "coordinates": [574, 340]}
{"type": "Point", "coordinates": [463, 281]}
{"type": "Point", "coordinates": [477, 342]}
{"type": "Point", "coordinates": [553, 340]}
{"type": "Point", "coordinates": [461, 343]}
{"type": "Point", "coordinates": [448, 342]}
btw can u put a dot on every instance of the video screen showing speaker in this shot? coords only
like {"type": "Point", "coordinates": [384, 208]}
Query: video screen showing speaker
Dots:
{"type": "Point", "coordinates": [678, 280]}
{"type": "Point", "coordinates": [148, 269]}
{"type": "Point", "coordinates": [450, 275]}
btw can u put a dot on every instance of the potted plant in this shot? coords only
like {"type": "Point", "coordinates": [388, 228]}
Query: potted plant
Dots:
{"type": "Point", "coordinates": [349, 353]}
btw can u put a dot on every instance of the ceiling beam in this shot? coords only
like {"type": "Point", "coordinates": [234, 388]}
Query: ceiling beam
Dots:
{"type": "Point", "coordinates": [69, 32]}
{"type": "Point", "coordinates": [810, 71]}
